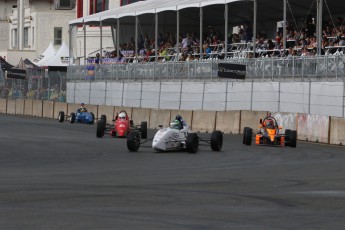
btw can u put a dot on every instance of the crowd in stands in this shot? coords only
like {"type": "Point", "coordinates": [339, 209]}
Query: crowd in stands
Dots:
{"type": "Point", "coordinates": [299, 42]}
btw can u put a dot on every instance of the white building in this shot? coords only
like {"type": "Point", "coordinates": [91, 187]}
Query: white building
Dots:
{"type": "Point", "coordinates": [28, 26]}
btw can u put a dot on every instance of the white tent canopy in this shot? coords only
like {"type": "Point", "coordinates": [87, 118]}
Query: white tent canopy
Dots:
{"type": "Point", "coordinates": [149, 6]}
{"type": "Point", "coordinates": [46, 55]}
{"type": "Point", "coordinates": [60, 58]}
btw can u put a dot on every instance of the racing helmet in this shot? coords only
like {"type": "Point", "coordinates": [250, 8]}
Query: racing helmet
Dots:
{"type": "Point", "coordinates": [269, 122]}
{"type": "Point", "coordinates": [178, 117]}
{"type": "Point", "coordinates": [175, 124]}
{"type": "Point", "coordinates": [122, 115]}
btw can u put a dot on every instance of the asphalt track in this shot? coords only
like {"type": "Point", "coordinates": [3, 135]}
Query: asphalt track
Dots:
{"type": "Point", "coordinates": [60, 176]}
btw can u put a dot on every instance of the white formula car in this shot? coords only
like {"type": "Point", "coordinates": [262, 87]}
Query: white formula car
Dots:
{"type": "Point", "coordinates": [171, 139]}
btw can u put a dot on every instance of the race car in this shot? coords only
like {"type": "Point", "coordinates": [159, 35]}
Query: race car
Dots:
{"type": "Point", "coordinates": [121, 126]}
{"type": "Point", "coordinates": [175, 139]}
{"type": "Point", "coordinates": [78, 117]}
{"type": "Point", "coordinates": [269, 134]}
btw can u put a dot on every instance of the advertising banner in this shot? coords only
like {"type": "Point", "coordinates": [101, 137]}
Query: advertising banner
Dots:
{"type": "Point", "coordinates": [229, 70]}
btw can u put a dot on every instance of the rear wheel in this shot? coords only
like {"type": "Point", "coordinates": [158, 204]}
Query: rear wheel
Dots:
{"type": "Point", "coordinates": [287, 137]}
{"type": "Point", "coordinates": [293, 138]}
{"type": "Point", "coordinates": [92, 118]}
{"type": "Point", "coordinates": [248, 136]}
{"type": "Point", "coordinates": [104, 118]}
{"type": "Point", "coordinates": [61, 116]}
{"type": "Point", "coordinates": [72, 117]}
{"type": "Point", "coordinates": [143, 129]}
{"type": "Point", "coordinates": [192, 143]}
{"type": "Point", "coordinates": [133, 141]}
{"type": "Point", "coordinates": [100, 129]}
{"type": "Point", "coordinates": [244, 135]}
{"type": "Point", "coordinates": [216, 140]}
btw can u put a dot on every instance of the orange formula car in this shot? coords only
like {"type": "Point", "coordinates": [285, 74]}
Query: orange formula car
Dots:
{"type": "Point", "coordinates": [269, 134]}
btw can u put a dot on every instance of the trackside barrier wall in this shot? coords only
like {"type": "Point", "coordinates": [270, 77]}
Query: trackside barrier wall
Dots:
{"type": "Point", "coordinates": [315, 128]}
{"type": "Point", "coordinates": [11, 106]}
{"type": "Point", "coordinates": [228, 121]}
{"type": "Point", "coordinates": [48, 109]}
{"type": "Point", "coordinates": [139, 115]}
{"type": "Point", "coordinates": [19, 106]}
{"type": "Point", "coordinates": [37, 108]}
{"type": "Point", "coordinates": [204, 121]}
{"type": "Point", "coordinates": [28, 107]}
{"type": "Point", "coordinates": [159, 117]}
{"type": "Point", "coordinates": [3, 105]}
{"type": "Point", "coordinates": [59, 106]}
{"type": "Point", "coordinates": [106, 110]}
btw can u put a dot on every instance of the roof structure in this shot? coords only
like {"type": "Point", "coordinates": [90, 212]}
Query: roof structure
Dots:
{"type": "Point", "coordinates": [45, 56]}
{"type": "Point", "coordinates": [61, 58]}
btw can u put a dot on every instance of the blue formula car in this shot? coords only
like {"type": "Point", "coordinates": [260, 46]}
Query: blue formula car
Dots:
{"type": "Point", "coordinates": [78, 117]}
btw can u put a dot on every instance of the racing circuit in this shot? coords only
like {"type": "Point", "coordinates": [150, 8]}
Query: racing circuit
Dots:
{"type": "Point", "coordinates": [60, 176]}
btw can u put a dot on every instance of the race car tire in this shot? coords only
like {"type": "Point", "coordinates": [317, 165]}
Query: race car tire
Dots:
{"type": "Point", "coordinates": [104, 118]}
{"type": "Point", "coordinates": [61, 116]}
{"type": "Point", "coordinates": [248, 136]}
{"type": "Point", "coordinates": [244, 134]}
{"type": "Point", "coordinates": [216, 140]}
{"type": "Point", "coordinates": [143, 129]}
{"type": "Point", "coordinates": [293, 138]}
{"type": "Point", "coordinates": [72, 117]}
{"type": "Point", "coordinates": [92, 118]}
{"type": "Point", "coordinates": [192, 143]}
{"type": "Point", "coordinates": [133, 141]}
{"type": "Point", "coordinates": [287, 137]}
{"type": "Point", "coordinates": [100, 129]}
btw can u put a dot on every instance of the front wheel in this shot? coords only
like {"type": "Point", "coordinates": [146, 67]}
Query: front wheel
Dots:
{"type": "Point", "coordinates": [293, 138]}
{"type": "Point", "coordinates": [143, 129]}
{"type": "Point", "coordinates": [72, 117]}
{"type": "Point", "coordinates": [92, 118]}
{"type": "Point", "coordinates": [192, 143]}
{"type": "Point", "coordinates": [216, 140]}
{"type": "Point", "coordinates": [248, 136]}
{"type": "Point", "coordinates": [61, 116]}
{"type": "Point", "coordinates": [133, 141]}
{"type": "Point", "coordinates": [100, 129]}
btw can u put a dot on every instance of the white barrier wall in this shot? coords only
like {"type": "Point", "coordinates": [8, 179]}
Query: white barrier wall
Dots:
{"type": "Point", "coordinates": [325, 98]}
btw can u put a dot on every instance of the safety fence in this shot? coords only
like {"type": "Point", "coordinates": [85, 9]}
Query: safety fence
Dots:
{"type": "Point", "coordinates": [38, 85]}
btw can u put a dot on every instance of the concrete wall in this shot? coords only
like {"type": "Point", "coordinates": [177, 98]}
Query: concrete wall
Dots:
{"type": "Point", "coordinates": [315, 128]}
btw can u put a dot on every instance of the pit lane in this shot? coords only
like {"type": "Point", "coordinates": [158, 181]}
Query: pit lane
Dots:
{"type": "Point", "coordinates": [60, 176]}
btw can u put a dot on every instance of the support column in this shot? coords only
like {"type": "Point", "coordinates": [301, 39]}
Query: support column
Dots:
{"type": "Point", "coordinates": [84, 28]}
{"type": "Point", "coordinates": [177, 35]}
{"type": "Point", "coordinates": [226, 30]}
{"type": "Point", "coordinates": [254, 27]}
{"type": "Point", "coordinates": [319, 26]}
{"type": "Point", "coordinates": [284, 27]}
{"type": "Point", "coordinates": [201, 31]}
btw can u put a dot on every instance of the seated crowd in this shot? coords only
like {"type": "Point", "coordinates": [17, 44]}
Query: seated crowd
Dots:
{"type": "Point", "coordinates": [299, 42]}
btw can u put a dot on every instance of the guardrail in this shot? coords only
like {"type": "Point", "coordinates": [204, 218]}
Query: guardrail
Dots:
{"type": "Point", "coordinates": [297, 68]}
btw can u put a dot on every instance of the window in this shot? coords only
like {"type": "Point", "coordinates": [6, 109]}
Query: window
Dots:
{"type": "Point", "coordinates": [97, 6]}
{"type": "Point", "coordinates": [126, 2]}
{"type": "Point", "coordinates": [14, 38]}
{"type": "Point", "coordinates": [26, 37]}
{"type": "Point", "coordinates": [57, 35]}
{"type": "Point", "coordinates": [80, 8]}
{"type": "Point", "coordinates": [64, 4]}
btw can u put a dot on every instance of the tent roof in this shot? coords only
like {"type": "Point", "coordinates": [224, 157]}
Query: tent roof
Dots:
{"type": "Point", "coordinates": [4, 64]}
{"type": "Point", "coordinates": [268, 10]}
{"type": "Point", "coordinates": [45, 56]}
{"type": "Point", "coordinates": [60, 58]}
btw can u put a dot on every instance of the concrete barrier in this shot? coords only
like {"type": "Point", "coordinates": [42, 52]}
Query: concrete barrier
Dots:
{"type": "Point", "coordinates": [140, 114]}
{"type": "Point", "coordinates": [37, 108]}
{"type": "Point", "coordinates": [106, 110]}
{"type": "Point", "coordinates": [187, 116]}
{"type": "Point", "coordinates": [286, 120]}
{"type": "Point", "coordinates": [28, 107]}
{"type": "Point", "coordinates": [337, 131]}
{"type": "Point", "coordinates": [228, 121]}
{"type": "Point", "coordinates": [3, 105]}
{"type": "Point", "coordinates": [313, 128]}
{"type": "Point", "coordinates": [48, 109]}
{"type": "Point", "coordinates": [251, 119]}
{"type": "Point", "coordinates": [72, 108]}
{"type": "Point", "coordinates": [203, 121]}
{"type": "Point", "coordinates": [20, 106]}
{"type": "Point", "coordinates": [11, 106]}
{"type": "Point", "coordinates": [58, 107]}
{"type": "Point", "coordinates": [92, 109]}
{"type": "Point", "coordinates": [159, 117]}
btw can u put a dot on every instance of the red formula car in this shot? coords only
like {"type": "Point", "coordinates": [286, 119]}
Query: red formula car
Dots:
{"type": "Point", "coordinates": [121, 126]}
{"type": "Point", "coordinates": [269, 134]}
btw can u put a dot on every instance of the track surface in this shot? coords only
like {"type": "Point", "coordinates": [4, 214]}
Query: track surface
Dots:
{"type": "Point", "coordinates": [60, 176]}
